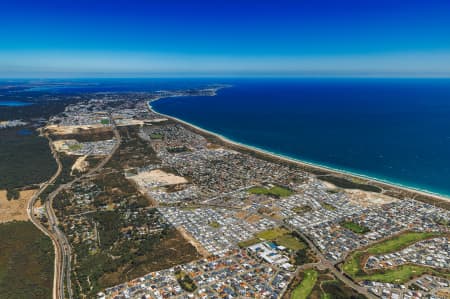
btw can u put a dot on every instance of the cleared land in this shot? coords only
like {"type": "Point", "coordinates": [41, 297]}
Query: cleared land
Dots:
{"type": "Point", "coordinates": [369, 199]}
{"type": "Point", "coordinates": [159, 177]}
{"type": "Point", "coordinates": [15, 209]}
{"type": "Point", "coordinates": [26, 262]}
{"type": "Point", "coordinates": [85, 129]}
{"type": "Point", "coordinates": [354, 264]}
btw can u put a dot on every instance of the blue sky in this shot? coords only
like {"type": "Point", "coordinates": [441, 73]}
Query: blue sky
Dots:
{"type": "Point", "coordinates": [231, 38]}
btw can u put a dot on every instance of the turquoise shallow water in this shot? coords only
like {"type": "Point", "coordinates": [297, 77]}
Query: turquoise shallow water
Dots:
{"type": "Point", "coordinates": [396, 130]}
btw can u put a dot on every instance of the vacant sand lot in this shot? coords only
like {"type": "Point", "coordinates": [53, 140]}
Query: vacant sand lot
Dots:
{"type": "Point", "coordinates": [369, 199]}
{"type": "Point", "coordinates": [158, 177]}
{"type": "Point", "coordinates": [188, 237]}
{"type": "Point", "coordinates": [68, 130]}
{"type": "Point", "coordinates": [80, 164]}
{"type": "Point", "coordinates": [11, 210]}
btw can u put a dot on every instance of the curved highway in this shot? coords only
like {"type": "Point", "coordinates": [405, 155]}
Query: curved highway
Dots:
{"type": "Point", "coordinates": [63, 251]}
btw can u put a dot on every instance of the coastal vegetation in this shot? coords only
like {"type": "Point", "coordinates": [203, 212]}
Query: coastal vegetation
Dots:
{"type": "Point", "coordinates": [26, 261]}
{"type": "Point", "coordinates": [349, 184]}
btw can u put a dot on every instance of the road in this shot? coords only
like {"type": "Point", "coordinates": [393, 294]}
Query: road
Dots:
{"type": "Point", "coordinates": [63, 250]}
{"type": "Point", "coordinates": [331, 267]}
{"type": "Point", "coordinates": [322, 263]}
{"type": "Point", "coordinates": [39, 225]}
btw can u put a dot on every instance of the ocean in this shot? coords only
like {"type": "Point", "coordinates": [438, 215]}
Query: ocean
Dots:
{"type": "Point", "coordinates": [14, 103]}
{"type": "Point", "coordinates": [395, 130]}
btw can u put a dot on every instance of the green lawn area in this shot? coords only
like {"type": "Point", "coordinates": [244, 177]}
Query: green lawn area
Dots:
{"type": "Point", "coordinates": [291, 242]}
{"type": "Point", "coordinates": [279, 235]}
{"type": "Point", "coordinates": [214, 224]}
{"type": "Point", "coordinates": [156, 136]}
{"type": "Point", "coordinates": [303, 290]}
{"type": "Point", "coordinates": [354, 227]}
{"type": "Point", "coordinates": [401, 274]}
{"type": "Point", "coordinates": [274, 191]}
{"type": "Point", "coordinates": [328, 207]}
{"type": "Point", "coordinates": [272, 234]}
{"type": "Point", "coordinates": [399, 242]}
{"type": "Point", "coordinates": [104, 121]}
{"type": "Point", "coordinates": [75, 147]}
{"type": "Point", "coordinates": [248, 243]}
{"type": "Point", "coordinates": [352, 264]}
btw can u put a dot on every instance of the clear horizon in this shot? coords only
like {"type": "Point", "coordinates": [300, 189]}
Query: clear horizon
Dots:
{"type": "Point", "coordinates": [59, 39]}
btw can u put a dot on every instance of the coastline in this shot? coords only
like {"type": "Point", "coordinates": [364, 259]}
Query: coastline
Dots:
{"type": "Point", "coordinates": [303, 164]}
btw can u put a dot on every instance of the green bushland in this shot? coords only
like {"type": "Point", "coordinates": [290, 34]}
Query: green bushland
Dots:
{"type": "Point", "coordinates": [401, 274]}
{"type": "Point", "coordinates": [334, 289]}
{"type": "Point", "coordinates": [26, 261]}
{"type": "Point", "coordinates": [276, 191]}
{"type": "Point", "coordinates": [185, 281]}
{"type": "Point", "coordinates": [25, 160]}
{"type": "Point", "coordinates": [354, 227]}
{"type": "Point", "coordinates": [303, 290]}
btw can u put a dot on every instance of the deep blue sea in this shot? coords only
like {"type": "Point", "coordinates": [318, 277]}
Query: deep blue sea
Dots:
{"type": "Point", "coordinates": [14, 103]}
{"type": "Point", "coordinates": [397, 130]}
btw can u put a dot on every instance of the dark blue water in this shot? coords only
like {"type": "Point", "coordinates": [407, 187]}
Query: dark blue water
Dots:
{"type": "Point", "coordinates": [14, 104]}
{"type": "Point", "coordinates": [24, 132]}
{"type": "Point", "coordinates": [391, 129]}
